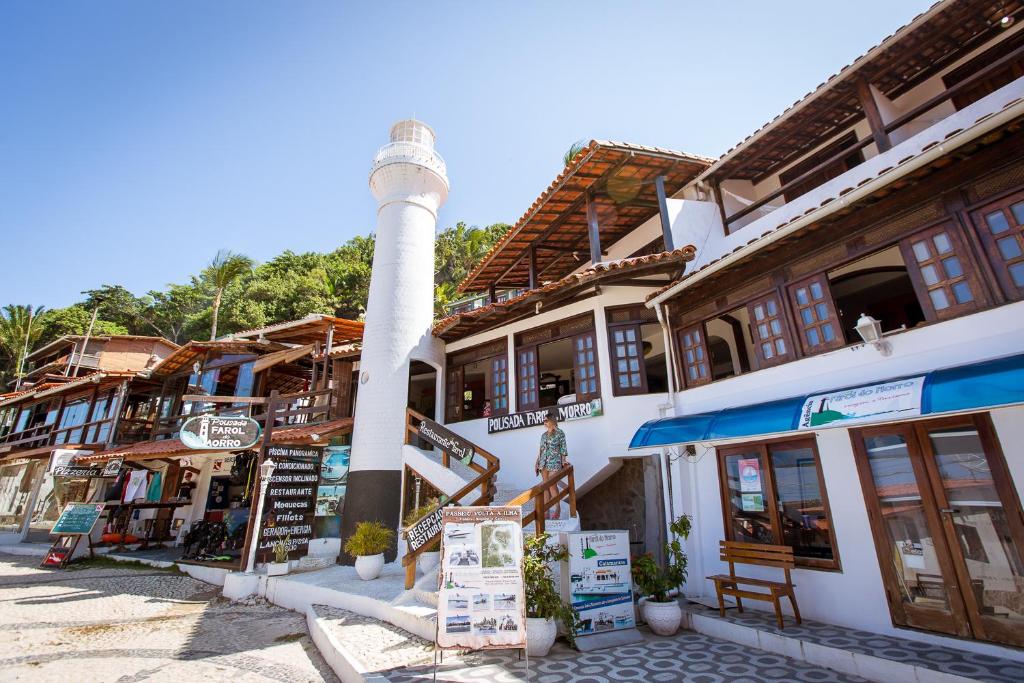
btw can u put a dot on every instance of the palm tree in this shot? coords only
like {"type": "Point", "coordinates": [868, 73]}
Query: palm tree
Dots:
{"type": "Point", "coordinates": [573, 150]}
{"type": "Point", "coordinates": [18, 334]}
{"type": "Point", "coordinates": [225, 268]}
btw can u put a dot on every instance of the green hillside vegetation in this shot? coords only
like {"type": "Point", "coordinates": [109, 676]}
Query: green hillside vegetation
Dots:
{"type": "Point", "coordinates": [239, 294]}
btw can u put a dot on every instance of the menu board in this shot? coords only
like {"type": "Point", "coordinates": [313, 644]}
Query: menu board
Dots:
{"type": "Point", "coordinates": [597, 580]}
{"type": "Point", "coordinates": [482, 601]}
{"type": "Point", "coordinates": [77, 518]}
{"type": "Point", "coordinates": [290, 505]}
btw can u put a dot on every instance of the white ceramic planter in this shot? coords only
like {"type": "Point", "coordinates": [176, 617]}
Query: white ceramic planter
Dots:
{"type": "Point", "coordinates": [540, 636]}
{"type": "Point", "coordinates": [662, 617]}
{"type": "Point", "coordinates": [277, 568]}
{"type": "Point", "coordinates": [369, 567]}
{"type": "Point", "coordinates": [428, 562]}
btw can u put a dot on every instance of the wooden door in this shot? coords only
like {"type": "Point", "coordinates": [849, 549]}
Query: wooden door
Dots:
{"type": "Point", "coordinates": [948, 528]}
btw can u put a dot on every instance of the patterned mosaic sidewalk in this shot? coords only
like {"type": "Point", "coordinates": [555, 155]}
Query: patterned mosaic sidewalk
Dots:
{"type": "Point", "coordinates": [687, 656]}
{"type": "Point", "coordinates": [979, 667]}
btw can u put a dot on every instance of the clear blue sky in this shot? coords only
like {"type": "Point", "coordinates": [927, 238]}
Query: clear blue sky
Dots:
{"type": "Point", "coordinates": [137, 138]}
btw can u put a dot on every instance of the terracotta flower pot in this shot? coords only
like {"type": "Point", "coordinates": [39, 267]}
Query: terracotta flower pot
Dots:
{"type": "Point", "coordinates": [540, 636]}
{"type": "Point", "coordinates": [369, 567]}
{"type": "Point", "coordinates": [662, 617]}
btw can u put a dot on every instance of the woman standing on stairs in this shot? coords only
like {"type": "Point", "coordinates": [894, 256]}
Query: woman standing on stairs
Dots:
{"type": "Point", "coordinates": [550, 459]}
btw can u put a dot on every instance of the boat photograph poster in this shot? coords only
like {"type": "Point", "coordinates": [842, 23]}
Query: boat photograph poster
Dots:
{"type": "Point", "coordinates": [481, 604]}
{"type": "Point", "coordinates": [596, 580]}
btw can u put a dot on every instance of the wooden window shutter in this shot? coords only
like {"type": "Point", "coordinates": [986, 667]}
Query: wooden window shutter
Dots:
{"type": "Point", "coordinates": [694, 350]}
{"type": "Point", "coordinates": [815, 313]}
{"type": "Point", "coordinates": [768, 330]}
{"type": "Point", "coordinates": [943, 274]}
{"type": "Point", "coordinates": [499, 385]}
{"type": "Point", "coordinates": [585, 365]}
{"type": "Point", "coordinates": [1001, 226]}
{"type": "Point", "coordinates": [628, 372]}
{"type": "Point", "coordinates": [453, 394]}
{"type": "Point", "coordinates": [526, 379]}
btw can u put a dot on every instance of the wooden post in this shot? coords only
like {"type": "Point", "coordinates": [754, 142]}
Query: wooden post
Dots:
{"type": "Point", "coordinates": [268, 430]}
{"type": "Point", "coordinates": [572, 494]}
{"type": "Point", "coordinates": [410, 575]}
{"type": "Point", "coordinates": [593, 231]}
{"type": "Point", "coordinates": [492, 294]}
{"type": "Point", "coordinates": [666, 227]}
{"type": "Point", "coordinates": [533, 268]}
{"type": "Point", "coordinates": [539, 511]}
{"type": "Point", "coordinates": [874, 117]}
{"type": "Point", "coordinates": [121, 397]}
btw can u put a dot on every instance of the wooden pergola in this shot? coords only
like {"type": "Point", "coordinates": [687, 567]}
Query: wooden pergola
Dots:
{"type": "Point", "coordinates": [604, 193]}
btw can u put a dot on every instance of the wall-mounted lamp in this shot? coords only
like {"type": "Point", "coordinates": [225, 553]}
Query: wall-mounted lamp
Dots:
{"type": "Point", "coordinates": [870, 330]}
{"type": "Point", "coordinates": [1006, 21]}
{"type": "Point", "coordinates": [196, 367]}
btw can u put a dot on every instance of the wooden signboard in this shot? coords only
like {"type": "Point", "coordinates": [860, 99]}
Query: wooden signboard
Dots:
{"type": "Point", "coordinates": [216, 432]}
{"type": "Point", "coordinates": [290, 506]}
{"type": "Point", "coordinates": [446, 440]}
{"type": "Point", "coordinates": [60, 552]}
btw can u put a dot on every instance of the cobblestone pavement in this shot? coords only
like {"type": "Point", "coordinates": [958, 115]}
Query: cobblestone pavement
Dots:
{"type": "Point", "coordinates": [126, 625]}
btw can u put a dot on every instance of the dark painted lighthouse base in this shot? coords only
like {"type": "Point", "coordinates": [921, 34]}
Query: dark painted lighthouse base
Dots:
{"type": "Point", "coordinates": [371, 496]}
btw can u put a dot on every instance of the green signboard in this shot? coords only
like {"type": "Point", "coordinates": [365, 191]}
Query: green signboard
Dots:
{"type": "Point", "coordinates": [77, 518]}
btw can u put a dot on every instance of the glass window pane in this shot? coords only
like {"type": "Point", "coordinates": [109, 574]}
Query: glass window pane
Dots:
{"type": "Point", "coordinates": [759, 312]}
{"type": "Point", "coordinates": [822, 311]}
{"type": "Point", "coordinates": [913, 550]}
{"type": "Point", "coordinates": [780, 346]}
{"type": "Point", "coordinates": [776, 326]}
{"type": "Point", "coordinates": [1018, 212]}
{"type": "Point", "coordinates": [801, 296]}
{"type": "Point", "coordinates": [1017, 273]}
{"type": "Point", "coordinates": [1009, 247]}
{"type": "Point", "coordinates": [806, 316]}
{"type": "Point", "coordinates": [763, 330]}
{"type": "Point", "coordinates": [952, 267]}
{"type": "Point", "coordinates": [962, 293]}
{"type": "Point", "coordinates": [634, 379]}
{"type": "Point", "coordinates": [939, 299]}
{"type": "Point", "coordinates": [930, 275]}
{"type": "Point", "coordinates": [748, 516]}
{"type": "Point", "coordinates": [816, 290]}
{"type": "Point", "coordinates": [921, 251]}
{"type": "Point", "coordinates": [770, 305]}
{"type": "Point", "coordinates": [997, 222]}
{"type": "Point", "coordinates": [812, 337]}
{"type": "Point", "coordinates": [623, 381]}
{"type": "Point", "coordinates": [827, 332]}
{"type": "Point", "coordinates": [618, 335]}
{"type": "Point", "coordinates": [942, 244]}
{"type": "Point", "coordinates": [766, 349]}
{"type": "Point", "coordinates": [805, 526]}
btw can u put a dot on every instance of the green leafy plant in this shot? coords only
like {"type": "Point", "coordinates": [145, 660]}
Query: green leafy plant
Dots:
{"type": "Point", "coordinates": [655, 582]}
{"type": "Point", "coordinates": [370, 538]}
{"type": "Point", "coordinates": [416, 514]}
{"type": "Point", "coordinates": [542, 597]}
{"type": "Point", "coordinates": [280, 548]}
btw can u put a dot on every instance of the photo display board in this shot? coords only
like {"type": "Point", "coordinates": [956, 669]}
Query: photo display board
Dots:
{"type": "Point", "coordinates": [290, 506]}
{"type": "Point", "coordinates": [597, 581]}
{"type": "Point", "coordinates": [481, 604]}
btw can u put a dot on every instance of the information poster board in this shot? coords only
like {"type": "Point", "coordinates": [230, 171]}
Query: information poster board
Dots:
{"type": "Point", "coordinates": [330, 497]}
{"type": "Point", "coordinates": [77, 519]}
{"type": "Point", "coordinates": [482, 601]}
{"type": "Point", "coordinates": [596, 580]}
{"type": "Point", "coordinates": [290, 506]}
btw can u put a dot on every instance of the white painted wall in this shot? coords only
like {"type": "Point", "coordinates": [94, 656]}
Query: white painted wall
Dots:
{"type": "Point", "coordinates": [591, 442]}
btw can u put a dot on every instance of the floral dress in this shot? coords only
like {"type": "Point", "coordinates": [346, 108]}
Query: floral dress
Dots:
{"type": "Point", "coordinates": [552, 451]}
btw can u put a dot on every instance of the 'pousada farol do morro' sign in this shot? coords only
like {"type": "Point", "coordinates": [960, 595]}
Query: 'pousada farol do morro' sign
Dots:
{"type": "Point", "coordinates": [213, 432]}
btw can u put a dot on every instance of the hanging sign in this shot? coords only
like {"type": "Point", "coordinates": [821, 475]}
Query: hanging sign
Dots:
{"type": "Point", "coordinates": [891, 400]}
{"type": "Point", "coordinates": [215, 432]}
{"type": "Point", "coordinates": [79, 472]}
{"type": "Point", "coordinates": [446, 440]}
{"type": "Point", "coordinates": [112, 467]}
{"type": "Point", "coordinates": [290, 505]}
{"type": "Point", "coordinates": [535, 418]}
{"type": "Point", "coordinates": [77, 518]}
{"type": "Point", "coordinates": [597, 581]}
{"type": "Point", "coordinates": [482, 601]}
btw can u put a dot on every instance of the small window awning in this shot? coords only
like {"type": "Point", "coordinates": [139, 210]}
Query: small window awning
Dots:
{"type": "Point", "coordinates": [967, 387]}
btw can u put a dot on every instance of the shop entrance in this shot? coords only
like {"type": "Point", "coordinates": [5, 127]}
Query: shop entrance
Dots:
{"type": "Point", "coordinates": [947, 525]}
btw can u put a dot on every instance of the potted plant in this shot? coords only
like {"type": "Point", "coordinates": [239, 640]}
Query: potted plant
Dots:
{"type": "Point", "coordinates": [544, 604]}
{"type": "Point", "coordinates": [280, 565]}
{"type": "Point", "coordinates": [660, 610]}
{"type": "Point", "coordinates": [367, 545]}
{"type": "Point", "coordinates": [431, 555]}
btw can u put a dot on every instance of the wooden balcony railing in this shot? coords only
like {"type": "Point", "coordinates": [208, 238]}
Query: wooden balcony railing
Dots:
{"type": "Point", "coordinates": [563, 482]}
{"type": "Point", "coordinates": [895, 124]}
{"type": "Point", "coordinates": [33, 437]}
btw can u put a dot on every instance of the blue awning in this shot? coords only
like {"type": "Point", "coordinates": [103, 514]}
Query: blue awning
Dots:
{"type": "Point", "coordinates": [966, 387]}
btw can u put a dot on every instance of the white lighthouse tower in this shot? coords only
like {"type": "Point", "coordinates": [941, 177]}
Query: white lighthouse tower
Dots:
{"type": "Point", "coordinates": [409, 181]}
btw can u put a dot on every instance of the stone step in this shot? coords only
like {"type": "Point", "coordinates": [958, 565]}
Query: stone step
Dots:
{"type": "Point", "coordinates": [360, 648]}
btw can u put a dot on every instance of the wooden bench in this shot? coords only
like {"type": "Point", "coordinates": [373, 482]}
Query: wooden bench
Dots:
{"type": "Point", "coordinates": [780, 556]}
